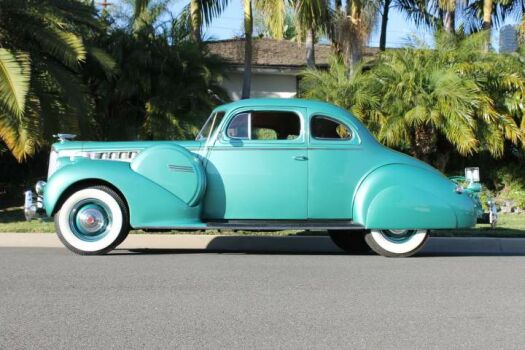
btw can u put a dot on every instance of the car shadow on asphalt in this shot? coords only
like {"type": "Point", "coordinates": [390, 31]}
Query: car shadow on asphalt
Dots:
{"type": "Point", "coordinates": [264, 245]}
{"type": "Point", "coordinates": [162, 251]}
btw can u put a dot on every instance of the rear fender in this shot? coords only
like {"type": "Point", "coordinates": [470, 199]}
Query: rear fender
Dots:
{"type": "Point", "coordinates": [400, 196]}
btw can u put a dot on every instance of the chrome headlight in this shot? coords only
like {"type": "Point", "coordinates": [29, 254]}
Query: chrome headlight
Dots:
{"type": "Point", "coordinates": [39, 187]}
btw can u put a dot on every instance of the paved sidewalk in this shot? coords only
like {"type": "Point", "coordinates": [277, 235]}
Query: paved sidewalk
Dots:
{"type": "Point", "coordinates": [272, 244]}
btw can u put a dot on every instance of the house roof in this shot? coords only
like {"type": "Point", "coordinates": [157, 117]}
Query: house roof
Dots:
{"type": "Point", "coordinates": [269, 52]}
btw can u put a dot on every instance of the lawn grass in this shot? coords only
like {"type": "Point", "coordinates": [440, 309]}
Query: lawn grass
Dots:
{"type": "Point", "coordinates": [509, 225]}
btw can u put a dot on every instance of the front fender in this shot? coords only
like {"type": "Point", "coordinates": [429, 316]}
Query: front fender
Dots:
{"type": "Point", "coordinates": [150, 205]}
{"type": "Point", "coordinates": [401, 196]}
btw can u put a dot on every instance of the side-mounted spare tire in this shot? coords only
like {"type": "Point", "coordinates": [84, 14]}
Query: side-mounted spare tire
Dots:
{"type": "Point", "coordinates": [174, 168]}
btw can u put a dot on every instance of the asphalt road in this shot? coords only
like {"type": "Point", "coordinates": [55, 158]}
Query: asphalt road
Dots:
{"type": "Point", "coordinates": [52, 299]}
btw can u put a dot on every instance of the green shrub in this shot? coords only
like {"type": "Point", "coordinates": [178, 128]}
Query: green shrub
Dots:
{"type": "Point", "coordinates": [510, 185]}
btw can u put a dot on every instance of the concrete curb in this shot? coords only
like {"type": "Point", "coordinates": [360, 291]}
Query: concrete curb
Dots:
{"type": "Point", "coordinates": [270, 244]}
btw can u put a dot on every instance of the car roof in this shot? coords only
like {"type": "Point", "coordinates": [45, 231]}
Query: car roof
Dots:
{"type": "Point", "coordinates": [318, 106]}
{"type": "Point", "coordinates": [282, 102]}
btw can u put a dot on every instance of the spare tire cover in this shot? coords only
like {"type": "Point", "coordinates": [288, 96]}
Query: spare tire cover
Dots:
{"type": "Point", "coordinates": [174, 168]}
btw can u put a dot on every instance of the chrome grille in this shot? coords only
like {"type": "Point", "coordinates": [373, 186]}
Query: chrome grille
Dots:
{"type": "Point", "coordinates": [124, 156]}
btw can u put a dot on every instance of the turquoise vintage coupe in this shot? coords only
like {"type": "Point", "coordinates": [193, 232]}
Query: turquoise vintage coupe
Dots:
{"type": "Point", "coordinates": [257, 164]}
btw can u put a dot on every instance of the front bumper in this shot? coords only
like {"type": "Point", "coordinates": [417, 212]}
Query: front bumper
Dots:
{"type": "Point", "coordinates": [34, 202]}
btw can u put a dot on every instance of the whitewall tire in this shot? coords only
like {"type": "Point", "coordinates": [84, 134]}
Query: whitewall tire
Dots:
{"type": "Point", "coordinates": [92, 221]}
{"type": "Point", "coordinates": [396, 243]}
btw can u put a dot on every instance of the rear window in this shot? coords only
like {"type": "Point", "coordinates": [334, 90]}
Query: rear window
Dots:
{"type": "Point", "coordinates": [326, 128]}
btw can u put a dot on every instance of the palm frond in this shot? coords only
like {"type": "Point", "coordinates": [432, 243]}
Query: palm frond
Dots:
{"type": "Point", "coordinates": [14, 80]}
{"type": "Point", "coordinates": [274, 14]}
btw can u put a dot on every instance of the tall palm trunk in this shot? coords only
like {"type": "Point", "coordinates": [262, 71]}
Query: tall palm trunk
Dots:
{"type": "Point", "coordinates": [487, 13]}
{"type": "Point", "coordinates": [310, 48]}
{"type": "Point", "coordinates": [449, 21]}
{"type": "Point", "coordinates": [354, 50]}
{"type": "Point", "coordinates": [384, 24]}
{"type": "Point", "coordinates": [248, 31]}
{"type": "Point", "coordinates": [196, 20]}
{"type": "Point", "coordinates": [487, 22]}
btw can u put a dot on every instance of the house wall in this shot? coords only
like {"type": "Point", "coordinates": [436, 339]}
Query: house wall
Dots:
{"type": "Point", "coordinates": [263, 85]}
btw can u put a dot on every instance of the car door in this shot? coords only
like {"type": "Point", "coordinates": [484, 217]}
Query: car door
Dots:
{"type": "Point", "coordinates": [257, 167]}
{"type": "Point", "coordinates": [335, 165]}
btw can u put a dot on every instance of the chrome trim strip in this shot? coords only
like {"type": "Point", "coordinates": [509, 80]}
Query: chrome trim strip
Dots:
{"type": "Point", "coordinates": [285, 149]}
{"type": "Point", "coordinates": [250, 225]}
{"type": "Point", "coordinates": [251, 228]}
{"type": "Point", "coordinates": [180, 168]}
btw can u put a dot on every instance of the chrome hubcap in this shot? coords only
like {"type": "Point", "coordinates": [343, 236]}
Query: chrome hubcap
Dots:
{"type": "Point", "coordinates": [90, 220]}
{"type": "Point", "coordinates": [398, 236]}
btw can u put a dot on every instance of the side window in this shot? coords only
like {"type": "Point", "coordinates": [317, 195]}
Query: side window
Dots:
{"type": "Point", "coordinates": [265, 125]}
{"type": "Point", "coordinates": [325, 128]}
{"type": "Point", "coordinates": [239, 127]}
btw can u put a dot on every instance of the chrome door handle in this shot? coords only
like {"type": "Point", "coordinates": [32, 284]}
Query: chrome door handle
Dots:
{"type": "Point", "coordinates": [300, 157]}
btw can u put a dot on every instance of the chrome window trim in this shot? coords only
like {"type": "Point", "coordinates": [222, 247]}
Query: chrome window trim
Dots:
{"type": "Point", "coordinates": [300, 139]}
{"type": "Point", "coordinates": [352, 133]}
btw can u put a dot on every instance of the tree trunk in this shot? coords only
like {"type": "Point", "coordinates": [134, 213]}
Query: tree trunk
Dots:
{"type": "Point", "coordinates": [196, 20]}
{"type": "Point", "coordinates": [353, 49]}
{"type": "Point", "coordinates": [338, 5]}
{"type": "Point", "coordinates": [449, 21]}
{"type": "Point", "coordinates": [487, 14]}
{"type": "Point", "coordinates": [354, 53]}
{"type": "Point", "coordinates": [310, 48]}
{"type": "Point", "coordinates": [248, 31]}
{"type": "Point", "coordinates": [487, 22]}
{"type": "Point", "coordinates": [424, 142]}
{"type": "Point", "coordinates": [384, 24]}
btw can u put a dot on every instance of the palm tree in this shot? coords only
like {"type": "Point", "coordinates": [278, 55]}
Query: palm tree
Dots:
{"type": "Point", "coordinates": [44, 45]}
{"type": "Point", "coordinates": [415, 10]}
{"type": "Point", "coordinates": [274, 13]}
{"type": "Point", "coordinates": [351, 29]}
{"type": "Point", "coordinates": [162, 87]}
{"type": "Point", "coordinates": [204, 10]}
{"type": "Point", "coordinates": [487, 14]}
{"type": "Point", "coordinates": [312, 16]}
{"type": "Point", "coordinates": [455, 98]}
{"type": "Point", "coordinates": [248, 31]}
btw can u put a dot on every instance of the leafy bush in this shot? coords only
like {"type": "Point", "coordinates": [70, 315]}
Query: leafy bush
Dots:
{"type": "Point", "coordinates": [510, 184]}
{"type": "Point", "coordinates": [456, 98]}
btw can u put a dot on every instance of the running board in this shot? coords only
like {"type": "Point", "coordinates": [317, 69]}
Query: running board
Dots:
{"type": "Point", "coordinates": [273, 225]}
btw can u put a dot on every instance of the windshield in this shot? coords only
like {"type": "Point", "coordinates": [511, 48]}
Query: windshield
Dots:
{"type": "Point", "coordinates": [210, 126]}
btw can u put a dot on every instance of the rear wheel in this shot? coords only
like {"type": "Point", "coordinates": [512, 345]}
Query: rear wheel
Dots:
{"type": "Point", "coordinates": [92, 221]}
{"type": "Point", "coordinates": [351, 241]}
{"type": "Point", "coordinates": [396, 243]}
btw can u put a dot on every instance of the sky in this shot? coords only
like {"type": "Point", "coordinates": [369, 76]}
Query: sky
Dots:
{"type": "Point", "coordinates": [229, 25]}
{"type": "Point", "coordinates": [400, 30]}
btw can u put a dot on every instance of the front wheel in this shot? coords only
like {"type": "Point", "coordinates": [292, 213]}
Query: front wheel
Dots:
{"type": "Point", "coordinates": [396, 243]}
{"type": "Point", "coordinates": [92, 221]}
